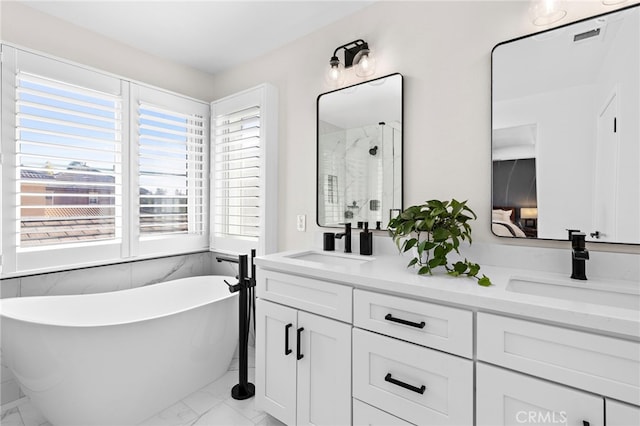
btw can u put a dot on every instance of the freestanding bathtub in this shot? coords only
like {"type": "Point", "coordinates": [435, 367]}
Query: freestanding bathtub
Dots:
{"type": "Point", "coordinates": [118, 358]}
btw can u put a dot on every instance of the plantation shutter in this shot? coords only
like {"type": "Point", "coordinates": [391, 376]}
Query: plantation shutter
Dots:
{"type": "Point", "coordinates": [244, 198]}
{"type": "Point", "coordinates": [170, 139]}
{"type": "Point", "coordinates": [171, 171]}
{"type": "Point", "coordinates": [237, 174]}
{"type": "Point", "coordinates": [63, 157]}
{"type": "Point", "coordinates": [68, 158]}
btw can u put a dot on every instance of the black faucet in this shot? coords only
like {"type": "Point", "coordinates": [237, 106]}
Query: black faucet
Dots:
{"type": "Point", "coordinates": [579, 254]}
{"type": "Point", "coordinates": [347, 239]}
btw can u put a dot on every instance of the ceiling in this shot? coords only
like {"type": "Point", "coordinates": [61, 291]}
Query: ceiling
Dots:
{"type": "Point", "coordinates": [208, 35]}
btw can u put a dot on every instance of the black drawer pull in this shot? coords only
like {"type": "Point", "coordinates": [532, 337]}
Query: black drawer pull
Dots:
{"type": "Point", "coordinates": [298, 354]}
{"type": "Point", "coordinates": [397, 382]}
{"type": "Point", "coordinates": [287, 351]}
{"type": "Point", "coordinates": [389, 317]}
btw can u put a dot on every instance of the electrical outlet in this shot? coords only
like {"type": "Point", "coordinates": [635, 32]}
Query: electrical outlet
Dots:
{"type": "Point", "coordinates": [301, 222]}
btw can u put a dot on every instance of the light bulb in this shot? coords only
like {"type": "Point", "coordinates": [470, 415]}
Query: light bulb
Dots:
{"type": "Point", "coordinates": [365, 62]}
{"type": "Point", "coordinates": [545, 12]}
{"type": "Point", "coordinates": [335, 72]}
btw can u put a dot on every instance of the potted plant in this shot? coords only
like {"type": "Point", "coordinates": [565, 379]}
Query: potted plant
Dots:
{"type": "Point", "coordinates": [433, 230]}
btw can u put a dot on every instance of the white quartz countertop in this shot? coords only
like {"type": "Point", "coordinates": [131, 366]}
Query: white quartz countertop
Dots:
{"type": "Point", "coordinates": [389, 274]}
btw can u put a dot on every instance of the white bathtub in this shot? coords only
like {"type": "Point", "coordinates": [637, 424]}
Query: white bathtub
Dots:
{"type": "Point", "coordinates": [117, 358]}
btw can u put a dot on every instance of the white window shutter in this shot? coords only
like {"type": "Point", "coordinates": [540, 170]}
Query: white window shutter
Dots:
{"type": "Point", "coordinates": [169, 140]}
{"type": "Point", "coordinates": [62, 174]}
{"type": "Point", "coordinates": [69, 168]}
{"type": "Point", "coordinates": [244, 153]}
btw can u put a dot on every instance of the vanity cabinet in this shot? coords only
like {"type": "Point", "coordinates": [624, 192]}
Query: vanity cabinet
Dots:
{"type": "Point", "coordinates": [405, 378]}
{"type": "Point", "coordinates": [602, 365]}
{"type": "Point", "coordinates": [507, 398]}
{"type": "Point", "coordinates": [619, 414]}
{"type": "Point", "coordinates": [327, 353]}
{"type": "Point", "coordinates": [303, 360]}
{"type": "Point", "coordinates": [596, 367]}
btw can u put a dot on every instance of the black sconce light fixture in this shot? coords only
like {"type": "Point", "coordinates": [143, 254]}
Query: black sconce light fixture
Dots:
{"type": "Point", "coordinates": [356, 54]}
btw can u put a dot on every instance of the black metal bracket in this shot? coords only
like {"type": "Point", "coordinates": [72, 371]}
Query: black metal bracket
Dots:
{"type": "Point", "coordinates": [350, 51]}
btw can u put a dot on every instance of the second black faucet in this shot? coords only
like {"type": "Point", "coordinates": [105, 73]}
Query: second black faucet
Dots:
{"type": "Point", "coordinates": [347, 237]}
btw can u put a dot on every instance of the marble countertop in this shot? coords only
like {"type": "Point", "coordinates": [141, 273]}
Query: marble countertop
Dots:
{"type": "Point", "coordinates": [389, 274]}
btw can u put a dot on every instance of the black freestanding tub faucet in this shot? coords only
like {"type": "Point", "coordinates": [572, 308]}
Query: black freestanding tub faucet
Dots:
{"type": "Point", "coordinates": [579, 254]}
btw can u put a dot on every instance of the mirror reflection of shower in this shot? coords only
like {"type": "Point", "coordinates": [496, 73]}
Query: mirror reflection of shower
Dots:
{"type": "Point", "coordinates": [369, 157]}
{"type": "Point", "coordinates": [360, 153]}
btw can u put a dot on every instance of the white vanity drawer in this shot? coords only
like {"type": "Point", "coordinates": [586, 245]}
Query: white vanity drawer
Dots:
{"type": "Point", "coordinates": [320, 297]}
{"type": "Point", "coordinates": [390, 374]}
{"type": "Point", "coordinates": [619, 414]}
{"type": "Point", "coordinates": [427, 324]}
{"type": "Point", "coordinates": [366, 415]}
{"type": "Point", "coordinates": [507, 398]}
{"type": "Point", "coordinates": [603, 365]}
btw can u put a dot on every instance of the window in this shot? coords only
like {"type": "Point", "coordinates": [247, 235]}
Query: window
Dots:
{"type": "Point", "coordinates": [172, 134]}
{"type": "Point", "coordinates": [68, 148]}
{"type": "Point", "coordinates": [243, 159]}
{"type": "Point", "coordinates": [97, 169]}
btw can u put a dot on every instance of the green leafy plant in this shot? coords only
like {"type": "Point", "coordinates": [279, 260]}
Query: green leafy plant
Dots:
{"type": "Point", "coordinates": [435, 229]}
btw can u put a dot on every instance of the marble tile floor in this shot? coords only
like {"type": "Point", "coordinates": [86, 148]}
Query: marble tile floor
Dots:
{"type": "Point", "coordinates": [210, 406]}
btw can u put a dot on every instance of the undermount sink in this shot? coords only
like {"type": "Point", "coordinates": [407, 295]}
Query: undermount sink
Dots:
{"type": "Point", "coordinates": [331, 258]}
{"type": "Point", "coordinates": [618, 294]}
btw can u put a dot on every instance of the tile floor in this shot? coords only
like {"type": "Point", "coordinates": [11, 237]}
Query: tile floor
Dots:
{"type": "Point", "coordinates": [210, 406]}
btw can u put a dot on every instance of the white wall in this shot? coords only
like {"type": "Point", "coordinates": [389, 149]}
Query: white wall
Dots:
{"type": "Point", "coordinates": [32, 29]}
{"type": "Point", "coordinates": [443, 48]}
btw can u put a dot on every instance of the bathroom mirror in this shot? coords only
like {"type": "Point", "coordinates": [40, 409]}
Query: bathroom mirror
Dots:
{"type": "Point", "coordinates": [566, 133]}
{"type": "Point", "coordinates": [359, 154]}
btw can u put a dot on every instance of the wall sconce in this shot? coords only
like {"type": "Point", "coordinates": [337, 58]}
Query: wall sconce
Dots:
{"type": "Point", "coordinates": [356, 54]}
{"type": "Point", "coordinates": [545, 12]}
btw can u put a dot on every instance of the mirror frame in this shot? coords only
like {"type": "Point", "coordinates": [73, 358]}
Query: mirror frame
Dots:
{"type": "Point", "coordinates": [401, 208]}
{"type": "Point", "coordinates": [589, 18]}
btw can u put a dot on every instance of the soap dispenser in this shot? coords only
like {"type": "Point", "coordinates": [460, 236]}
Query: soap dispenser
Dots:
{"type": "Point", "coordinates": [366, 241]}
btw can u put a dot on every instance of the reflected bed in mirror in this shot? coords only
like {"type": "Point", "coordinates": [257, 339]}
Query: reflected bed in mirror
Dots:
{"type": "Point", "coordinates": [359, 154]}
{"type": "Point", "coordinates": [566, 133]}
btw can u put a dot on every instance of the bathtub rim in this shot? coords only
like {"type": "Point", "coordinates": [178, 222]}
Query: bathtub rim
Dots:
{"type": "Point", "coordinates": [14, 317]}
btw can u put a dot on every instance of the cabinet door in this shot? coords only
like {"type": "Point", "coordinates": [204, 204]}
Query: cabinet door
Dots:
{"type": "Point", "coordinates": [508, 398]}
{"type": "Point", "coordinates": [324, 371]}
{"type": "Point", "coordinates": [276, 360]}
{"type": "Point", "coordinates": [619, 414]}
